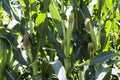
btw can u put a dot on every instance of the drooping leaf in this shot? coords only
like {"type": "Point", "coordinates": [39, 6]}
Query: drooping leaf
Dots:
{"type": "Point", "coordinates": [102, 57]}
{"type": "Point", "coordinates": [18, 55]}
{"type": "Point", "coordinates": [14, 12]}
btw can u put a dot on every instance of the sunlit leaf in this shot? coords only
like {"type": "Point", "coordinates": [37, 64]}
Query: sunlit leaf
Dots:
{"type": "Point", "coordinates": [12, 24]}
{"type": "Point", "coordinates": [40, 18]}
{"type": "Point", "coordinates": [59, 70]}
{"type": "Point", "coordinates": [102, 72]}
{"type": "Point", "coordinates": [11, 10]}
{"type": "Point", "coordinates": [54, 12]}
{"type": "Point", "coordinates": [32, 1]}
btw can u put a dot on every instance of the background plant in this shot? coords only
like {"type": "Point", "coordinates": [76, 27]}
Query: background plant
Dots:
{"type": "Point", "coordinates": [59, 39]}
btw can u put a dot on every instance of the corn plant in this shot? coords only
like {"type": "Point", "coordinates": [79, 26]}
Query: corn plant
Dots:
{"type": "Point", "coordinates": [59, 39]}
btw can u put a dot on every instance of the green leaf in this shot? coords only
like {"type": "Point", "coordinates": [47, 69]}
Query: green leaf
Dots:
{"type": "Point", "coordinates": [17, 53]}
{"type": "Point", "coordinates": [40, 18]}
{"type": "Point", "coordinates": [12, 24]}
{"type": "Point", "coordinates": [46, 5]}
{"type": "Point", "coordinates": [55, 43]}
{"type": "Point", "coordinates": [32, 1]}
{"type": "Point", "coordinates": [22, 2]}
{"type": "Point", "coordinates": [59, 70]}
{"type": "Point", "coordinates": [102, 72]}
{"type": "Point", "coordinates": [109, 4]}
{"type": "Point", "coordinates": [15, 12]}
{"type": "Point", "coordinates": [54, 12]}
{"type": "Point", "coordinates": [6, 6]}
{"type": "Point", "coordinates": [8, 75]}
{"type": "Point", "coordinates": [103, 57]}
{"type": "Point", "coordinates": [47, 68]}
{"type": "Point", "coordinates": [84, 11]}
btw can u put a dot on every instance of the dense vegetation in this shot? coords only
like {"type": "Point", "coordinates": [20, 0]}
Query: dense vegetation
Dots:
{"type": "Point", "coordinates": [59, 39]}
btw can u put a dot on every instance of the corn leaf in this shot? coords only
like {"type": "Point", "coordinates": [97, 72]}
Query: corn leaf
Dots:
{"type": "Point", "coordinates": [103, 57]}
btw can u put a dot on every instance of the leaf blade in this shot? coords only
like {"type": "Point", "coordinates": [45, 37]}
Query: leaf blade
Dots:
{"type": "Point", "coordinates": [54, 12]}
{"type": "Point", "coordinates": [103, 57]}
{"type": "Point", "coordinates": [40, 18]}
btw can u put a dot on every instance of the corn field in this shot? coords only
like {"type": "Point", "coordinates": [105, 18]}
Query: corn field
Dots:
{"type": "Point", "coordinates": [59, 39]}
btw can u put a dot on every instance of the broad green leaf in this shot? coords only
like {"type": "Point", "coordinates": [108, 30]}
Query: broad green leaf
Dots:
{"type": "Point", "coordinates": [108, 27]}
{"type": "Point", "coordinates": [22, 2]}
{"type": "Point", "coordinates": [6, 6]}
{"type": "Point", "coordinates": [59, 70]}
{"type": "Point", "coordinates": [17, 53]}
{"type": "Point", "coordinates": [32, 1]}
{"type": "Point", "coordinates": [109, 4]}
{"type": "Point", "coordinates": [55, 43]}
{"type": "Point", "coordinates": [40, 18]}
{"type": "Point", "coordinates": [3, 54]}
{"type": "Point", "coordinates": [102, 57]}
{"type": "Point", "coordinates": [47, 68]}
{"type": "Point", "coordinates": [12, 24]}
{"type": "Point", "coordinates": [15, 12]}
{"type": "Point", "coordinates": [102, 72]}
{"type": "Point", "coordinates": [84, 11]}
{"type": "Point", "coordinates": [111, 62]}
{"type": "Point", "coordinates": [54, 12]}
{"type": "Point", "coordinates": [46, 5]}
{"type": "Point", "coordinates": [5, 38]}
{"type": "Point", "coordinates": [32, 13]}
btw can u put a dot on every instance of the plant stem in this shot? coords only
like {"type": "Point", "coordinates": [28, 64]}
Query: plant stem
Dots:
{"type": "Point", "coordinates": [63, 27]}
{"type": "Point", "coordinates": [66, 60]}
{"type": "Point", "coordinates": [34, 63]}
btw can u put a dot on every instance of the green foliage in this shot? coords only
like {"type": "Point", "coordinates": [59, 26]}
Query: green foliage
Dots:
{"type": "Point", "coordinates": [59, 39]}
